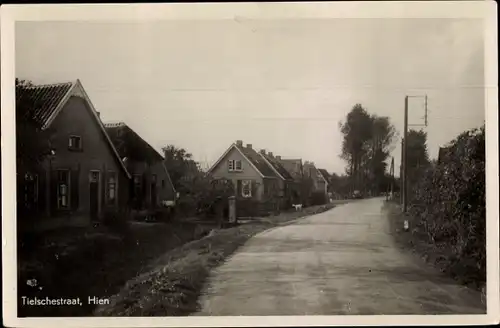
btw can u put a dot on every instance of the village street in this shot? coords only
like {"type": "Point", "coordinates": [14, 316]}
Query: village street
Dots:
{"type": "Point", "coordinates": [342, 261]}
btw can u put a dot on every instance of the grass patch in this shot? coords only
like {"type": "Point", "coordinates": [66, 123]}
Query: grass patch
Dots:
{"type": "Point", "coordinates": [438, 255]}
{"type": "Point", "coordinates": [93, 261]}
{"type": "Point", "coordinates": [174, 281]}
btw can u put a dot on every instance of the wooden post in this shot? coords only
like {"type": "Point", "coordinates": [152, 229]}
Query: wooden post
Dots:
{"type": "Point", "coordinates": [232, 210]}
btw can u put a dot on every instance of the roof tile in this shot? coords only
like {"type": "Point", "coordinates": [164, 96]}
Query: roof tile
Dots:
{"type": "Point", "coordinates": [257, 161]}
{"type": "Point", "coordinates": [39, 102]}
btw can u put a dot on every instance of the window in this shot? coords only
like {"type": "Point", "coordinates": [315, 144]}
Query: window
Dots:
{"type": "Point", "coordinates": [246, 188]}
{"type": "Point", "coordinates": [235, 166]}
{"type": "Point", "coordinates": [63, 189]}
{"type": "Point", "coordinates": [163, 183]}
{"type": "Point", "coordinates": [137, 182]}
{"type": "Point", "coordinates": [30, 190]}
{"type": "Point", "coordinates": [153, 179]}
{"type": "Point", "coordinates": [75, 143]}
{"type": "Point", "coordinates": [111, 188]}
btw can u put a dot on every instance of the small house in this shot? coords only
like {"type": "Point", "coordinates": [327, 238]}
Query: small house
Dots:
{"type": "Point", "coordinates": [83, 176]}
{"type": "Point", "coordinates": [150, 185]}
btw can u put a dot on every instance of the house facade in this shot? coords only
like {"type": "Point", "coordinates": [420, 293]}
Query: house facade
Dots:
{"type": "Point", "coordinates": [150, 185]}
{"type": "Point", "coordinates": [295, 168]}
{"type": "Point", "coordinates": [286, 182]}
{"type": "Point", "coordinates": [326, 178]}
{"type": "Point", "coordinates": [319, 183]}
{"type": "Point", "coordinates": [83, 177]}
{"type": "Point", "coordinates": [253, 178]}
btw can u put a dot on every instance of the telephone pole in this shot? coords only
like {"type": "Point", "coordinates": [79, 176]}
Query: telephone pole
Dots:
{"type": "Point", "coordinates": [405, 158]}
{"type": "Point", "coordinates": [404, 150]}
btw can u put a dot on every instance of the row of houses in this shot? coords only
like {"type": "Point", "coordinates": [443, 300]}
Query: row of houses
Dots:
{"type": "Point", "coordinates": [95, 167]}
{"type": "Point", "coordinates": [92, 167]}
{"type": "Point", "coordinates": [260, 175]}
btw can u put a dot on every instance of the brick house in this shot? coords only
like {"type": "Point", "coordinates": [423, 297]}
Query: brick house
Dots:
{"type": "Point", "coordinates": [287, 184]}
{"type": "Point", "coordinates": [326, 177]}
{"type": "Point", "coordinates": [83, 177]}
{"type": "Point", "coordinates": [150, 186]}
{"type": "Point", "coordinates": [295, 168]}
{"type": "Point", "coordinates": [253, 177]}
{"type": "Point", "coordinates": [320, 184]}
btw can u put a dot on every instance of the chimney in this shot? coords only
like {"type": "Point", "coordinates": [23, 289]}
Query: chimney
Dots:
{"type": "Point", "coordinates": [99, 114]}
{"type": "Point", "coordinates": [263, 151]}
{"type": "Point", "coordinates": [270, 154]}
{"type": "Point", "coordinates": [278, 158]}
{"type": "Point", "coordinates": [249, 146]}
{"type": "Point", "coordinates": [239, 143]}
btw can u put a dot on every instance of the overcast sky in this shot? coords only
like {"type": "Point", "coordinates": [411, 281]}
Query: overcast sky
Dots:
{"type": "Point", "coordinates": [282, 85]}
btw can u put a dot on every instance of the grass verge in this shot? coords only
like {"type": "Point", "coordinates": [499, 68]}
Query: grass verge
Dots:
{"type": "Point", "coordinates": [175, 280]}
{"type": "Point", "coordinates": [439, 255]}
{"type": "Point", "coordinates": [86, 262]}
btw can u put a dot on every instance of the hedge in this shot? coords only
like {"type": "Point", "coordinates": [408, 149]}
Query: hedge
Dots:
{"type": "Point", "coordinates": [448, 204]}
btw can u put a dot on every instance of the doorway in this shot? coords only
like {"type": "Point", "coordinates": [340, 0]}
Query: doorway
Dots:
{"type": "Point", "coordinates": [95, 177]}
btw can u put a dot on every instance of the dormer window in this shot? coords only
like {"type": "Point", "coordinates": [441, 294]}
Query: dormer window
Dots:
{"type": "Point", "coordinates": [75, 143]}
{"type": "Point", "coordinates": [235, 166]}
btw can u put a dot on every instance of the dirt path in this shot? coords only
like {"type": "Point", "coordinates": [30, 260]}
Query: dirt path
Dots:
{"type": "Point", "coordinates": [343, 261]}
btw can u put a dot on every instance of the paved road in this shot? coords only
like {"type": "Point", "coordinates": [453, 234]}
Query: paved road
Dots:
{"type": "Point", "coordinates": [338, 262]}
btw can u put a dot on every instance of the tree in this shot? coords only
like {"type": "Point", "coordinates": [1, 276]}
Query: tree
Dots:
{"type": "Point", "coordinates": [417, 158]}
{"type": "Point", "coordinates": [367, 143]}
{"type": "Point", "coordinates": [379, 148]}
{"type": "Point", "coordinates": [32, 141]}
{"type": "Point", "coordinates": [339, 185]}
{"type": "Point", "coordinates": [180, 164]}
{"type": "Point", "coordinates": [357, 130]}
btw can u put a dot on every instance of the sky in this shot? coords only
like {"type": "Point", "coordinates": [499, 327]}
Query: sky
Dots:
{"type": "Point", "coordinates": [280, 85]}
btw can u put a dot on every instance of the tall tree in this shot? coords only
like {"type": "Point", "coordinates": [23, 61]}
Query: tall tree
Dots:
{"type": "Point", "coordinates": [417, 155]}
{"type": "Point", "coordinates": [367, 143]}
{"type": "Point", "coordinates": [379, 148]}
{"type": "Point", "coordinates": [357, 130]}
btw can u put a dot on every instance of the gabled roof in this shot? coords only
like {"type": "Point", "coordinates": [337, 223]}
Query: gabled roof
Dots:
{"type": "Point", "coordinates": [277, 166]}
{"type": "Point", "coordinates": [44, 102]}
{"type": "Point", "coordinates": [129, 144]}
{"type": "Point", "coordinates": [254, 158]}
{"type": "Point", "coordinates": [324, 173]}
{"type": "Point", "coordinates": [257, 161]}
{"type": "Point", "coordinates": [132, 146]}
{"type": "Point", "coordinates": [293, 166]}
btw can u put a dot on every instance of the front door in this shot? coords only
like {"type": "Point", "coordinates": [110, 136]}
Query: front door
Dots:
{"type": "Point", "coordinates": [153, 191]}
{"type": "Point", "coordinates": [94, 194]}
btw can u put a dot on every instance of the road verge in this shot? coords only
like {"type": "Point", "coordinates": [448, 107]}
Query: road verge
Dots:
{"type": "Point", "coordinates": [173, 284]}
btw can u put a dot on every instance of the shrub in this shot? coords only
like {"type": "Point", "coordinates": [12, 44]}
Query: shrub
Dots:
{"type": "Point", "coordinates": [318, 198]}
{"type": "Point", "coordinates": [202, 194]}
{"type": "Point", "coordinates": [448, 204]}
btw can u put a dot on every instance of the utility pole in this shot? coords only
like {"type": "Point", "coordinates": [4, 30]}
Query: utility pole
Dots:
{"type": "Point", "coordinates": [405, 158]}
{"type": "Point", "coordinates": [401, 172]}
{"type": "Point", "coordinates": [391, 173]}
{"type": "Point", "coordinates": [404, 177]}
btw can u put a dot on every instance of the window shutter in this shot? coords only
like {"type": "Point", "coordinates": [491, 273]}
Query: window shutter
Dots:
{"type": "Point", "coordinates": [42, 180]}
{"type": "Point", "coordinates": [238, 188]}
{"type": "Point", "coordinates": [144, 189]}
{"type": "Point", "coordinates": [53, 191]}
{"type": "Point", "coordinates": [104, 185]}
{"type": "Point", "coordinates": [75, 186]}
